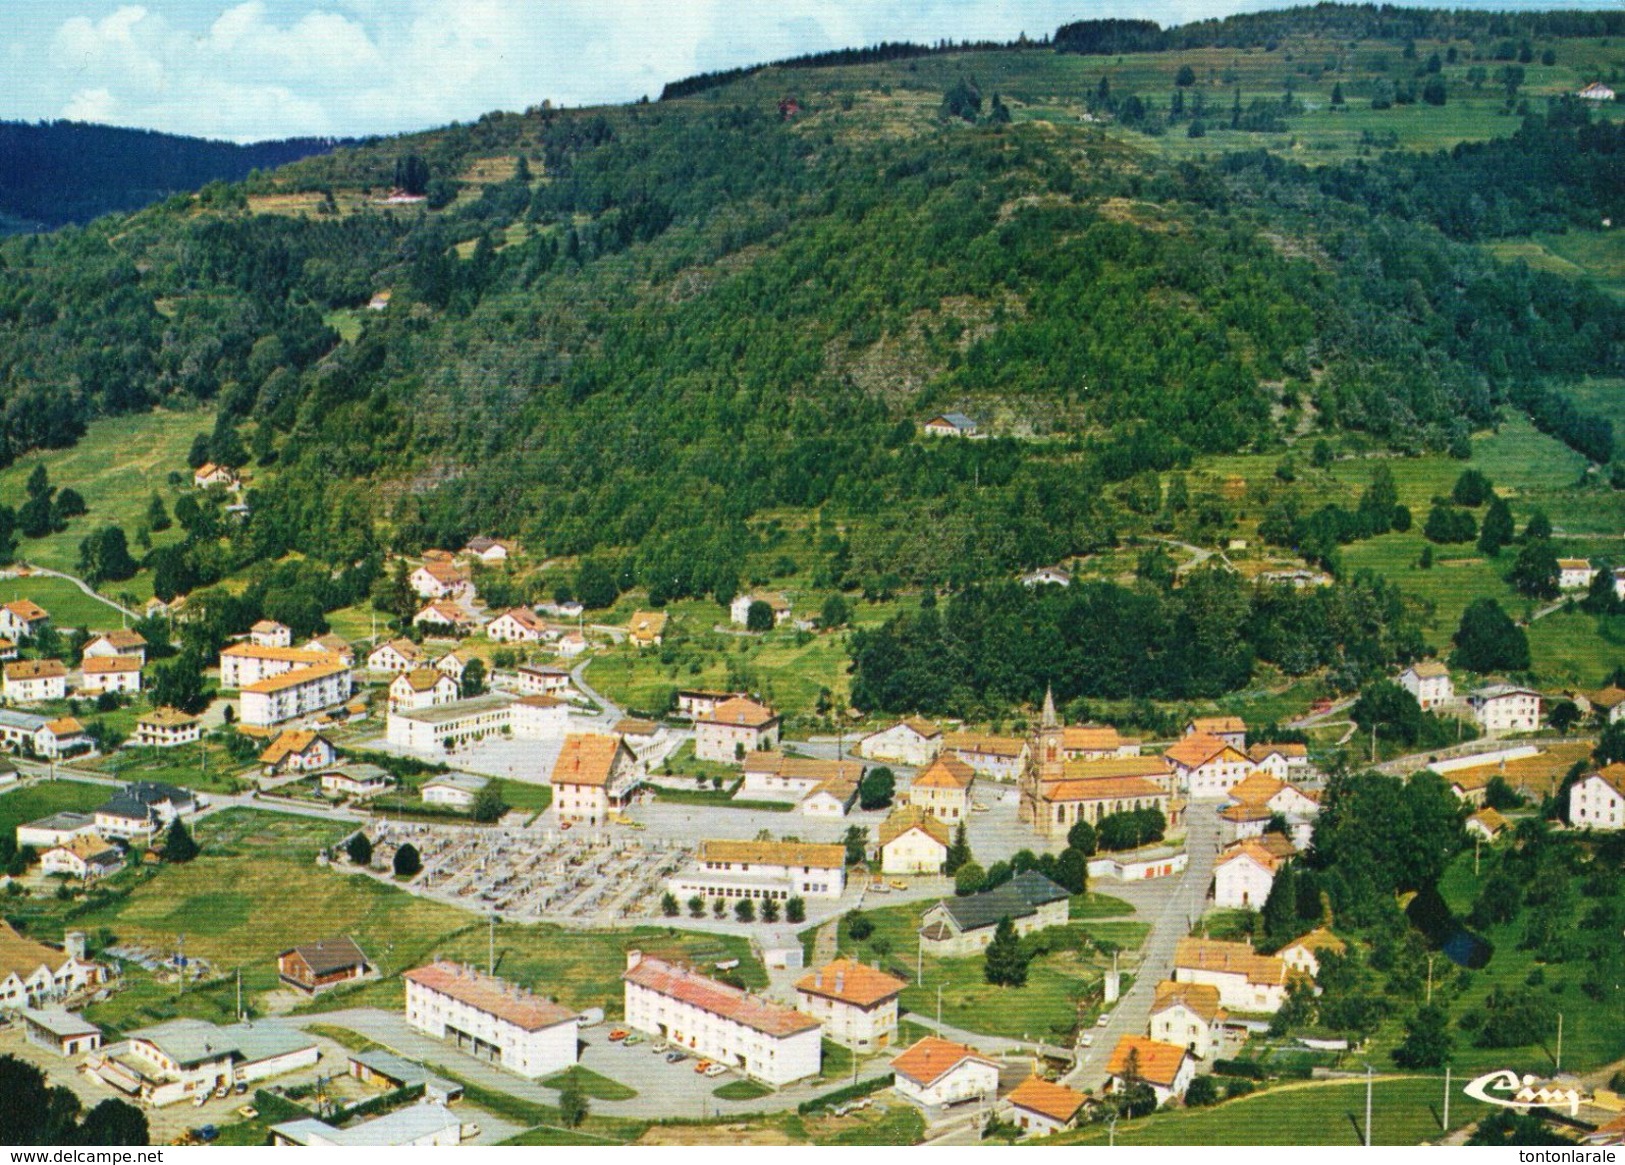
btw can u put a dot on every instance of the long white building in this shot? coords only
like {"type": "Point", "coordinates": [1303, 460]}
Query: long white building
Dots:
{"type": "Point", "coordinates": [297, 693]}
{"type": "Point", "coordinates": [491, 1019]}
{"type": "Point", "coordinates": [178, 1059]}
{"type": "Point", "coordinates": [462, 721]}
{"type": "Point", "coordinates": [243, 664]}
{"type": "Point", "coordinates": [776, 1045]}
{"type": "Point", "coordinates": [779, 870]}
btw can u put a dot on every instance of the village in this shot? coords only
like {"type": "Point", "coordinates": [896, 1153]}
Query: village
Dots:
{"type": "Point", "coordinates": [507, 787]}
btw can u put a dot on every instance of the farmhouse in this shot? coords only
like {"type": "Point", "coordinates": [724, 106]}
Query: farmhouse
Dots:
{"type": "Point", "coordinates": [1167, 1068]}
{"type": "Point", "coordinates": [490, 551]}
{"type": "Point", "coordinates": [439, 580]}
{"type": "Point", "coordinates": [297, 751]}
{"type": "Point", "coordinates": [1302, 955]}
{"type": "Point", "coordinates": [1596, 91]}
{"type": "Point", "coordinates": [778, 870]}
{"type": "Point", "coordinates": [1243, 876]}
{"type": "Point", "coordinates": [593, 777]}
{"type": "Point", "coordinates": [122, 642]}
{"type": "Point", "coordinates": [999, 757]}
{"type": "Point", "coordinates": [1574, 574]}
{"type": "Point", "coordinates": [517, 625]}
{"type": "Point", "coordinates": [912, 841]}
{"type": "Point", "coordinates": [322, 964]}
{"type": "Point", "coordinates": [209, 474]}
{"type": "Point", "coordinates": [908, 742]}
{"type": "Point", "coordinates": [1608, 705]}
{"type": "Point", "coordinates": [334, 645]}
{"type": "Point", "coordinates": [856, 1004]}
{"type": "Point", "coordinates": [396, 655]}
{"type": "Point", "coordinates": [1502, 709]}
{"type": "Point", "coordinates": [86, 857]}
{"type": "Point", "coordinates": [739, 609]}
{"type": "Point", "coordinates": [178, 1059]}
{"type": "Point", "coordinates": [56, 829]}
{"type": "Point", "coordinates": [29, 681]}
{"type": "Point", "coordinates": [1040, 1107]}
{"type": "Point", "coordinates": [936, 1072]}
{"type": "Point", "coordinates": [454, 664]}
{"type": "Point", "coordinates": [694, 703]}
{"type": "Point", "coordinates": [1207, 766]}
{"type": "Point", "coordinates": [965, 926]}
{"type": "Point", "coordinates": [734, 729]}
{"type": "Point", "coordinates": [491, 1019]}
{"type": "Point", "coordinates": [774, 1044]}
{"type": "Point", "coordinates": [442, 616]}
{"type": "Point", "coordinates": [773, 774]}
{"type": "Point", "coordinates": [33, 973]}
{"type": "Point", "coordinates": [62, 737]}
{"type": "Point", "coordinates": [943, 790]}
{"type": "Point", "coordinates": [22, 618]}
{"type": "Point", "coordinates": [110, 673]}
{"type": "Point", "coordinates": [832, 798]}
{"type": "Point", "coordinates": [142, 808]}
{"type": "Point", "coordinates": [1230, 729]}
{"type": "Point", "coordinates": [1188, 1015]}
{"type": "Point", "coordinates": [167, 728]}
{"type": "Point", "coordinates": [1597, 800]}
{"type": "Point", "coordinates": [647, 628]}
{"type": "Point", "coordinates": [950, 425]}
{"type": "Point", "coordinates": [298, 693]}
{"type": "Point", "coordinates": [1246, 980]}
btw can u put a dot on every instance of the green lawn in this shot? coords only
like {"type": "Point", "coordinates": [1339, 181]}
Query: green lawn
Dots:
{"type": "Point", "coordinates": [1573, 649]}
{"type": "Point", "coordinates": [41, 800]}
{"type": "Point", "coordinates": [591, 1083]}
{"type": "Point", "coordinates": [69, 606]}
{"type": "Point", "coordinates": [1060, 985]}
{"type": "Point", "coordinates": [1405, 1111]}
{"type": "Point", "coordinates": [206, 766]}
{"type": "Point", "coordinates": [117, 466]}
{"type": "Point", "coordinates": [742, 1090]}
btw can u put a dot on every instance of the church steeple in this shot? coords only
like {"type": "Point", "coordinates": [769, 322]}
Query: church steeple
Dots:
{"type": "Point", "coordinates": [1050, 720]}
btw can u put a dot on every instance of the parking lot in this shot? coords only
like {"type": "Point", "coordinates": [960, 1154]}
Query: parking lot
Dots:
{"type": "Point", "coordinates": [581, 876]}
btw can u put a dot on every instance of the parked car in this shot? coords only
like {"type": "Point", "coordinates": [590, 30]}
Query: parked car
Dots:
{"type": "Point", "coordinates": [701, 1067]}
{"type": "Point", "coordinates": [200, 1099]}
{"type": "Point", "coordinates": [715, 1069]}
{"type": "Point", "coordinates": [470, 1131]}
{"type": "Point", "coordinates": [1104, 1019]}
{"type": "Point", "coordinates": [222, 1092]}
{"type": "Point", "coordinates": [977, 807]}
{"type": "Point", "coordinates": [207, 1133]}
{"type": "Point", "coordinates": [658, 1047]}
{"type": "Point", "coordinates": [899, 884]}
{"type": "Point", "coordinates": [1087, 1039]}
{"type": "Point", "coordinates": [248, 1112]}
{"type": "Point", "coordinates": [879, 887]}
{"type": "Point", "coordinates": [676, 1057]}
{"type": "Point", "coordinates": [618, 1035]}
{"type": "Point", "coordinates": [633, 1039]}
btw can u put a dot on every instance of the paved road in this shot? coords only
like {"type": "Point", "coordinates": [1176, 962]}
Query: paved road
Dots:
{"type": "Point", "coordinates": [578, 675]}
{"type": "Point", "coordinates": [1170, 909]}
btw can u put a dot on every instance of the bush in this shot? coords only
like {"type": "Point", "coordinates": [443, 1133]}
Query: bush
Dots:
{"type": "Point", "coordinates": [851, 1092]}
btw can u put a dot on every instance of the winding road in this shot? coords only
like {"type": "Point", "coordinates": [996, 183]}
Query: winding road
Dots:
{"type": "Point", "coordinates": [86, 587]}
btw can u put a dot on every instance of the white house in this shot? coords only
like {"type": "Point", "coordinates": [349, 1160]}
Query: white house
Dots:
{"type": "Point", "coordinates": [29, 681]}
{"type": "Point", "coordinates": [1243, 876]}
{"type": "Point", "coordinates": [1206, 766]}
{"type": "Point", "coordinates": [444, 615]}
{"type": "Point", "coordinates": [452, 790]}
{"type": "Point", "coordinates": [950, 425]}
{"type": "Point", "coordinates": [358, 781]}
{"type": "Point", "coordinates": [734, 729]}
{"type": "Point", "coordinates": [943, 789]}
{"type": "Point", "coordinates": [1597, 800]}
{"type": "Point", "coordinates": [856, 1004]}
{"type": "Point", "coordinates": [270, 633]}
{"type": "Point", "coordinates": [1001, 757]}
{"type": "Point", "coordinates": [774, 1044]}
{"type": "Point", "coordinates": [960, 926]}
{"type": "Point", "coordinates": [59, 1030]}
{"type": "Point", "coordinates": [910, 742]}
{"type": "Point", "coordinates": [1040, 1107]}
{"type": "Point", "coordinates": [694, 703]}
{"type": "Point", "coordinates": [1574, 574]}
{"type": "Point", "coordinates": [416, 1125]}
{"type": "Point", "coordinates": [33, 973]}
{"type": "Point", "coordinates": [739, 609]}
{"type": "Point", "coordinates": [298, 750]}
{"type": "Point", "coordinates": [1303, 954]}
{"type": "Point", "coordinates": [593, 777]}
{"type": "Point", "coordinates": [543, 681]}
{"type": "Point", "coordinates": [912, 841]}
{"type": "Point", "coordinates": [540, 718]}
{"type": "Point", "coordinates": [87, 858]}
{"type": "Point", "coordinates": [426, 730]}
{"type": "Point", "coordinates": [489, 551]}
{"type": "Point", "coordinates": [439, 580]}
{"type": "Point", "coordinates": [1188, 1015]}
{"type": "Point", "coordinates": [110, 673]}
{"type": "Point", "coordinates": [517, 625]}
{"type": "Point", "coordinates": [498, 1021]}
{"type": "Point", "coordinates": [57, 829]}
{"type": "Point", "coordinates": [181, 1058]}
{"type": "Point", "coordinates": [121, 642]}
{"type": "Point", "coordinates": [1596, 91]}
{"type": "Point", "coordinates": [395, 655]}
{"type": "Point", "coordinates": [167, 728]}
{"type": "Point", "coordinates": [22, 618]}
{"type": "Point", "coordinates": [1167, 1068]}
{"type": "Point", "coordinates": [1429, 681]}
{"type": "Point", "coordinates": [1246, 981]}
{"type": "Point", "coordinates": [1502, 709]}
{"type": "Point", "coordinates": [936, 1072]}
{"type": "Point", "coordinates": [1230, 729]}
{"type": "Point", "coordinates": [209, 474]}
{"type": "Point", "coordinates": [778, 870]}
{"type": "Point", "coordinates": [423, 687]}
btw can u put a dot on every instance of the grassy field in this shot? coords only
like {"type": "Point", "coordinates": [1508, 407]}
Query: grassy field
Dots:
{"type": "Point", "coordinates": [118, 465]}
{"type": "Point", "coordinates": [69, 606]}
{"type": "Point", "coordinates": [206, 766]}
{"type": "Point", "coordinates": [1060, 986]}
{"type": "Point", "coordinates": [1573, 649]}
{"type": "Point", "coordinates": [1405, 1111]}
{"type": "Point", "coordinates": [1599, 257]}
{"type": "Point", "coordinates": [591, 1083]}
{"type": "Point", "coordinates": [29, 804]}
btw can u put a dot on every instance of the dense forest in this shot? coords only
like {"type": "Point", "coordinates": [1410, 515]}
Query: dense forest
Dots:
{"type": "Point", "coordinates": [60, 172]}
{"type": "Point", "coordinates": [658, 323]}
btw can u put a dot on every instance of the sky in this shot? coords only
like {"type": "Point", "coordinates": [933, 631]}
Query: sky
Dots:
{"type": "Point", "coordinates": [258, 69]}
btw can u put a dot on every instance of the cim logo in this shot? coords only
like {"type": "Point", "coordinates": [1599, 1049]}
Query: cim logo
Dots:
{"type": "Point", "coordinates": [1506, 1089]}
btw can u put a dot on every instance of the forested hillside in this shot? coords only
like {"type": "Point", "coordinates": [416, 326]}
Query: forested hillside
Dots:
{"type": "Point", "coordinates": [633, 334]}
{"type": "Point", "coordinates": [55, 173]}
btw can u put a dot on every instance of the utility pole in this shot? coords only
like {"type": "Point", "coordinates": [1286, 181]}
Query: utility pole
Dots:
{"type": "Point", "coordinates": [1558, 1065]}
{"type": "Point", "coordinates": [919, 959]}
{"type": "Point", "coordinates": [1368, 1106]}
{"type": "Point", "coordinates": [1111, 1131]}
{"type": "Point", "coordinates": [1477, 844]}
{"type": "Point", "coordinates": [939, 1009]}
{"type": "Point", "coordinates": [239, 994]}
{"type": "Point", "coordinates": [491, 955]}
{"type": "Point", "coordinates": [1447, 1098]}
{"type": "Point", "coordinates": [1430, 977]}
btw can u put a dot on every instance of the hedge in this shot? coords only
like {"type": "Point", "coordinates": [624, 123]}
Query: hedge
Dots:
{"type": "Point", "coordinates": [841, 1095]}
{"type": "Point", "coordinates": [1251, 1069]}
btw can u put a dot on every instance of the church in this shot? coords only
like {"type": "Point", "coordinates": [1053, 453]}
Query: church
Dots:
{"type": "Point", "coordinates": [1055, 794]}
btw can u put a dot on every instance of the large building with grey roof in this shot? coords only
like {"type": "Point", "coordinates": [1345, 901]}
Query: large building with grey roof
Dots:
{"type": "Point", "coordinates": [964, 926]}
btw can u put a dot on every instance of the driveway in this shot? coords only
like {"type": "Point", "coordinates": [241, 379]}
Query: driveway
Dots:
{"type": "Point", "coordinates": [1171, 906]}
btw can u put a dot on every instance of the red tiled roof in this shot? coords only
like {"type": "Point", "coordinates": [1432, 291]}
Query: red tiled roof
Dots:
{"type": "Point", "coordinates": [730, 1003]}
{"type": "Point", "coordinates": [1155, 1061]}
{"type": "Point", "coordinates": [851, 982]}
{"type": "Point", "coordinates": [1196, 750]}
{"type": "Point", "coordinates": [506, 1001]}
{"type": "Point", "coordinates": [740, 712]}
{"type": "Point", "coordinates": [586, 759]}
{"type": "Point", "coordinates": [932, 1058]}
{"type": "Point", "coordinates": [946, 772]}
{"type": "Point", "coordinates": [1055, 1101]}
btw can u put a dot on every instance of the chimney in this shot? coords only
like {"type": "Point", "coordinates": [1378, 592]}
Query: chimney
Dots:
{"type": "Point", "coordinates": [818, 979]}
{"type": "Point", "coordinates": [633, 958]}
{"type": "Point", "coordinates": [840, 982]}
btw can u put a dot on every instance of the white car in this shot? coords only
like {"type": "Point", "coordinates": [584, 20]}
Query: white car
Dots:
{"type": "Point", "coordinates": [716, 1070]}
{"type": "Point", "coordinates": [1103, 1020]}
{"type": "Point", "coordinates": [1087, 1039]}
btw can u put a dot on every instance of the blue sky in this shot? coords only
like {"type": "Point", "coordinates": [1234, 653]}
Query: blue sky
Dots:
{"type": "Point", "coordinates": [256, 69]}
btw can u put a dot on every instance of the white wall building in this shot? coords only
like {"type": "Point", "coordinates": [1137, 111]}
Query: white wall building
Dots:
{"type": "Point", "coordinates": [243, 664]}
{"type": "Point", "coordinates": [774, 1044]}
{"type": "Point", "coordinates": [1503, 709]}
{"type": "Point", "coordinates": [29, 681]}
{"type": "Point", "coordinates": [734, 729]}
{"type": "Point", "coordinates": [935, 1072]}
{"type": "Point", "coordinates": [1246, 980]}
{"type": "Point", "coordinates": [779, 870]}
{"type": "Point", "coordinates": [1243, 876]}
{"type": "Point", "coordinates": [119, 673]}
{"type": "Point", "coordinates": [426, 730]}
{"type": "Point", "coordinates": [1597, 800]}
{"type": "Point", "coordinates": [491, 1019]}
{"type": "Point", "coordinates": [32, 973]}
{"type": "Point", "coordinates": [1429, 681]}
{"type": "Point", "coordinates": [178, 1059]}
{"type": "Point", "coordinates": [908, 742]}
{"type": "Point", "coordinates": [856, 1004]}
{"type": "Point", "coordinates": [294, 694]}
